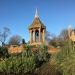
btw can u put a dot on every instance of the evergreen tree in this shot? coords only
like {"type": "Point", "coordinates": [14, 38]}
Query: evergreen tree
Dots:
{"type": "Point", "coordinates": [66, 59]}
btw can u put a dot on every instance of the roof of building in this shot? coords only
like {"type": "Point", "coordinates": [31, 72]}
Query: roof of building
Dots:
{"type": "Point", "coordinates": [36, 22]}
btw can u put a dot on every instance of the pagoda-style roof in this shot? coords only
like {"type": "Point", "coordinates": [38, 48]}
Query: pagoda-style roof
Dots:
{"type": "Point", "coordinates": [36, 22]}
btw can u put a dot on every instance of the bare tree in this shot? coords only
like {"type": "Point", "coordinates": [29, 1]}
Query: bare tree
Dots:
{"type": "Point", "coordinates": [49, 36]}
{"type": "Point", "coordinates": [64, 35]}
{"type": "Point", "coordinates": [60, 39]}
{"type": "Point", "coordinates": [4, 34]}
{"type": "Point", "coordinates": [56, 41]}
{"type": "Point", "coordinates": [15, 40]}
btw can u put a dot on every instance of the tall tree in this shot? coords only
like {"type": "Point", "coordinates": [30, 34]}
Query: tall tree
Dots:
{"type": "Point", "coordinates": [23, 41]}
{"type": "Point", "coordinates": [65, 59]}
{"type": "Point", "coordinates": [4, 34]}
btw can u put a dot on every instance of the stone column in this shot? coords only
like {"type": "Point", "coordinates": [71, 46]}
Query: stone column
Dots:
{"type": "Point", "coordinates": [30, 36]}
{"type": "Point", "coordinates": [39, 34]}
{"type": "Point", "coordinates": [43, 36]}
{"type": "Point", "coordinates": [34, 35]}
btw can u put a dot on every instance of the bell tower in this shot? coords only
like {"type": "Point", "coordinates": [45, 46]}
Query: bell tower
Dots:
{"type": "Point", "coordinates": [37, 31]}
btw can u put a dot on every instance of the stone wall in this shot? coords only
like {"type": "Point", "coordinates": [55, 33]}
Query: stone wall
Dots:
{"type": "Point", "coordinates": [15, 49]}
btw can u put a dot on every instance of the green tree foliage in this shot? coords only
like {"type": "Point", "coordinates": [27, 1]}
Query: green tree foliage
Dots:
{"type": "Point", "coordinates": [66, 59]}
{"type": "Point", "coordinates": [23, 41]}
{"type": "Point", "coordinates": [25, 62]}
{"type": "Point", "coordinates": [3, 52]}
{"type": "Point", "coordinates": [42, 56]}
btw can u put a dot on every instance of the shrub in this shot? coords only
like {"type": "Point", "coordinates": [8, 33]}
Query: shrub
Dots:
{"type": "Point", "coordinates": [25, 62]}
{"type": "Point", "coordinates": [66, 59]}
{"type": "Point", "coordinates": [3, 52]}
{"type": "Point", "coordinates": [42, 56]}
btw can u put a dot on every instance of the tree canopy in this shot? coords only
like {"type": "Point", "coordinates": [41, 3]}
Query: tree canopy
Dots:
{"type": "Point", "coordinates": [15, 40]}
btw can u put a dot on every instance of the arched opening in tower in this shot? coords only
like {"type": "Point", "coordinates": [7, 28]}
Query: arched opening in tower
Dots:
{"type": "Point", "coordinates": [37, 36]}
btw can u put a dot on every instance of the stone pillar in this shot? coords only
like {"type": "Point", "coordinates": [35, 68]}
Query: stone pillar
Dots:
{"type": "Point", "coordinates": [30, 36]}
{"type": "Point", "coordinates": [39, 34]}
{"type": "Point", "coordinates": [43, 35]}
{"type": "Point", "coordinates": [34, 36]}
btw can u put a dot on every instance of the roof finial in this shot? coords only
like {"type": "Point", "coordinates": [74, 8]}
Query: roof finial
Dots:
{"type": "Point", "coordinates": [36, 13]}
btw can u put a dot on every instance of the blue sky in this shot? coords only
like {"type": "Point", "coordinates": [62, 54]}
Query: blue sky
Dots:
{"type": "Point", "coordinates": [19, 14]}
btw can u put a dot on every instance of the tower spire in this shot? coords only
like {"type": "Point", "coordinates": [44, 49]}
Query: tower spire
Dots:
{"type": "Point", "coordinates": [36, 13]}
